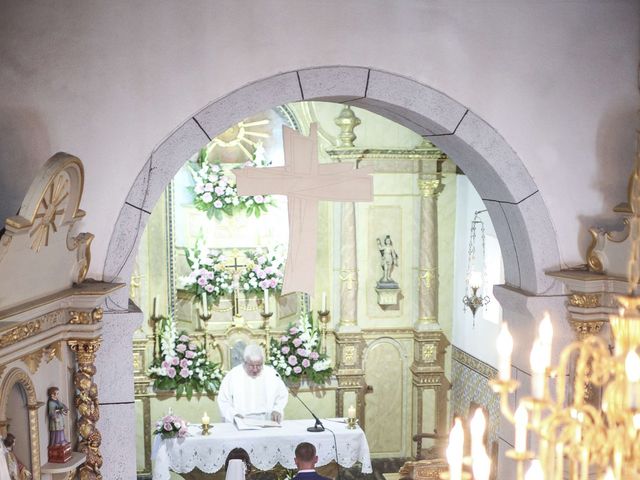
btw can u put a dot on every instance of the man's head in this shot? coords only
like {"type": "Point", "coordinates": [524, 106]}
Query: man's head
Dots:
{"type": "Point", "coordinates": [253, 360]}
{"type": "Point", "coordinates": [306, 457]}
{"type": "Point", "coordinates": [52, 393]}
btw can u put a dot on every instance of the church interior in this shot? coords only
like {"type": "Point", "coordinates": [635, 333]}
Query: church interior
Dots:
{"type": "Point", "coordinates": [424, 216]}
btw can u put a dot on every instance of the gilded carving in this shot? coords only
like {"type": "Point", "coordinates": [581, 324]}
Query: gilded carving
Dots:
{"type": "Point", "coordinates": [20, 332]}
{"type": "Point", "coordinates": [86, 402]}
{"type": "Point", "coordinates": [86, 318]}
{"type": "Point", "coordinates": [585, 329]}
{"type": "Point", "coordinates": [81, 242]}
{"type": "Point", "coordinates": [427, 276]}
{"type": "Point", "coordinates": [349, 355]}
{"type": "Point", "coordinates": [584, 300]}
{"type": "Point", "coordinates": [349, 277]}
{"type": "Point", "coordinates": [32, 361]}
{"type": "Point", "coordinates": [49, 209]}
{"type": "Point", "coordinates": [53, 351]}
{"type": "Point", "coordinates": [429, 353]}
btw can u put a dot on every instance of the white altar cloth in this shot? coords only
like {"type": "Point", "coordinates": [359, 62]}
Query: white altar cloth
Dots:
{"type": "Point", "coordinates": [266, 447]}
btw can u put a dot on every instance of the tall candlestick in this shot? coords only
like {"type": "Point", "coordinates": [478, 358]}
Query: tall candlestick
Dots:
{"type": "Point", "coordinates": [504, 344]}
{"type": "Point", "coordinates": [324, 301]}
{"type": "Point", "coordinates": [351, 412]}
{"type": "Point", "coordinates": [454, 451]}
{"type": "Point", "coordinates": [535, 471]}
{"type": "Point", "coordinates": [521, 417]}
{"type": "Point", "coordinates": [205, 307]}
{"type": "Point", "coordinates": [155, 302]}
{"type": "Point", "coordinates": [266, 300]}
{"type": "Point", "coordinates": [478, 425]}
{"type": "Point", "coordinates": [559, 461]}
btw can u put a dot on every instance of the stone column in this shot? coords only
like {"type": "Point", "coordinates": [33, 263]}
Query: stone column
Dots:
{"type": "Point", "coordinates": [86, 402]}
{"type": "Point", "coordinates": [348, 270]}
{"type": "Point", "coordinates": [430, 186]}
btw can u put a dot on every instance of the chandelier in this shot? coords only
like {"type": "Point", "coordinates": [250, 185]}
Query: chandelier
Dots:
{"type": "Point", "coordinates": [474, 280]}
{"type": "Point", "coordinates": [574, 436]}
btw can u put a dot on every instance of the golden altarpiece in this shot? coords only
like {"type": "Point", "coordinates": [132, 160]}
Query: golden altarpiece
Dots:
{"type": "Point", "coordinates": [387, 348]}
{"type": "Point", "coordinates": [50, 323]}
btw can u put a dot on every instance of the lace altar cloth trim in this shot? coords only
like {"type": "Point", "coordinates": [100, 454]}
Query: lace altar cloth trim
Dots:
{"type": "Point", "coordinates": [266, 447]}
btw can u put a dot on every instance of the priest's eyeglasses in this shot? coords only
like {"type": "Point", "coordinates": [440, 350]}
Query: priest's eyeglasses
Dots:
{"type": "Point", "coordinates": [253, 368]}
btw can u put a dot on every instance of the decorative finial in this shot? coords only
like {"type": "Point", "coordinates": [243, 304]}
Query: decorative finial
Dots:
{"type": "Point", "coordinates": [347, 121]}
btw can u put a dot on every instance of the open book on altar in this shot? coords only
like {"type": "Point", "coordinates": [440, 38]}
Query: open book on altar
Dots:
{"type": "Point", "coordinates": [254, 423]}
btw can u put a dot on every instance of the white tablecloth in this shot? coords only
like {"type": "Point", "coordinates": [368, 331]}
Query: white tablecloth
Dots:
{"type": "Point", "coordinates": [266, 447]}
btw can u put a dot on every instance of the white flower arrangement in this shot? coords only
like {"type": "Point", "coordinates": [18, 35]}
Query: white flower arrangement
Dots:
{"type": "Point", "coordinates": [208, 273]}
{"type": "Point", "coordinates": [296, 354]}
{"type": "Point", "coordinates": [265, 270]}
{"type": "Point", "coordinates": [214, 190]}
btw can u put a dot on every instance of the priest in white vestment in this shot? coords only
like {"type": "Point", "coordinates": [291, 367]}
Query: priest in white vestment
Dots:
{"type": "Point", "coordinates": [252, 389]}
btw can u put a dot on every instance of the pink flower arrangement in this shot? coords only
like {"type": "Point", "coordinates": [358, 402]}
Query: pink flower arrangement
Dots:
{"type": "Point", "coordinates": [171, 426]}
{"type": "Point", "coordinates": [185, 368]}
{"type": "Point", "coordinates": [296, 354]}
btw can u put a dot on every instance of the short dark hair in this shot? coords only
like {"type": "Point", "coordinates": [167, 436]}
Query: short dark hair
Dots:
{"type": "Point", "coordinates": [305, 451]}
{"type": "Point", "coordinates": [238, 454]}
{"type": "Point", "coordinates": [52, 390]}
{"type": "Point", "coordinates": [9, 440]}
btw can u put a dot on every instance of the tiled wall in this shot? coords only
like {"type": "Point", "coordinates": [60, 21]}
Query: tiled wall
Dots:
{"type": "Point", "coordinates": [469, 378]}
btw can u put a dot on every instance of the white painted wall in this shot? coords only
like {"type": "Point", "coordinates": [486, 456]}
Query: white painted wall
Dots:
{"type": "Point", "coordinates": [107, 81]}
{"type": "Point", "coordinates": [479, 339]}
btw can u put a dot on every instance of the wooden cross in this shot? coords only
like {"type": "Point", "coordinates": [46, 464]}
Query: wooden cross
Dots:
{"type": "Point", "coordinates": [305, 183]}
{"type": "Point", "coordinates": [235, 295]}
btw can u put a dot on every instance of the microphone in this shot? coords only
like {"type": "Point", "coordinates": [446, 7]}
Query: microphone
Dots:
{"type": "Point", "coordinates": [318, 426]}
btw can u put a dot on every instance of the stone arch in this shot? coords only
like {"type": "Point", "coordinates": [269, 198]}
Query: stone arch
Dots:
{"type": "Point", "coordinates": [19, 376]}
{"type": "Point", "coordinates": [518, 212]}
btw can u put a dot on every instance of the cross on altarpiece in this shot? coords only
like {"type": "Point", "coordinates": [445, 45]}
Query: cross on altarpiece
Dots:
{"type": "Point", "coordinates": [305, 182]}
{"type": "Point", "coordinates": [235, 295]}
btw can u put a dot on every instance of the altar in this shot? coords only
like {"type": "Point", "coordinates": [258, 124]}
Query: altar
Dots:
{"type": "Point", "coordinates": [266, 447]}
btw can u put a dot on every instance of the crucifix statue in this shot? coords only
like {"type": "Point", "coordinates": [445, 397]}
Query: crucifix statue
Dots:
{"type": "Point", "coordinates": [305, 182]}
{"type": "Point", "coordinates": [235, 295]}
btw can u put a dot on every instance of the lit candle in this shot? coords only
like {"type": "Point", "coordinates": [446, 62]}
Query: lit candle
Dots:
{"type": "Point", "coordinates": [324, 301]}
{"type": "Point", "coordinates": [538, 368]}
{"type": "Point", "coordinates": [535, 471]}
{"type": "Point", "coordinates": [545, 334]}
{"type": "Point", "coordinates": [481, 466]}
{"type": "Point", "coordinates": [559, 461]}
{"type": "Point", "coordinates": [205, 307]}
{"type": "Point", "coordinates": [504, 344]}
{"type": "Point", "coordinates": [478, 424]}
{"type": "Point", "coordinates": [205, 419]}
{"type": "Point", "coordinates": [632, 368]}
{"type": "Point", "coordinates": [475, 279]}
{"type": "Point", "coordinates": [617, 464]}
{"type": "Point", "coordinates": [155, 302]}
{"type": "Point", "coordinates": [351, 412]}
{"type": "Point", "coordinates": [521, 417]}
{"type": "Point", "coordinates": [454, 451]}
{"type": "Point", "coordinates": [609, 474]}
{"type": "Point", "coordinates": [266, 300]}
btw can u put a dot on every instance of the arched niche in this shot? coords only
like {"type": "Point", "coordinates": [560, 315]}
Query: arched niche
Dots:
{"type": "Point", "coordinates": [18, 378]}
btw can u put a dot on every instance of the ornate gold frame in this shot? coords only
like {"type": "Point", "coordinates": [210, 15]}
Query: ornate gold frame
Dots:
{"type": "Point", "coordinates": [17, 375]}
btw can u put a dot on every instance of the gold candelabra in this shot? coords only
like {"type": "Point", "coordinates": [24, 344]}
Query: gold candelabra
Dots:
{"type": "Point", "coordinates": [266, 317]}
{"type": "Point", "coordinates": [577, 437]}
{"type": "Point", "coordinates": [323, 318]}
{"type": "Point", "coordinates": [204, 319]}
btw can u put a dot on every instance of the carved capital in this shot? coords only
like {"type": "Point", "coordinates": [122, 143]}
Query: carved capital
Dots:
{"type": "Point", "coordinates": [430, 185]}
{"type": "Point", "coordinates": [585, 329]}
{"type": "Point", "coordinates": [85, 350]}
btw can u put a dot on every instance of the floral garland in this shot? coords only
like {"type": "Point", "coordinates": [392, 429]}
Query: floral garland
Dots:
{"type": "Point", "coordinates": [183, 366]}
{"type": "Point", "coordinates": [265, 270]}
{"type": "Point", "coordinates": [171, 426]}
{"type": "Point", "coordinates": [208, 274]}
{"type": "Point", "coordinates": [215, 192]}
{"type": "Point", "coordinates": [296, 355]}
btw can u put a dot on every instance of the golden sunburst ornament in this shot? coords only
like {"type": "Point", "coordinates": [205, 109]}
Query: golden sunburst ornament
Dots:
{"type": "Point", "coordinates": [241, 135]}
{"type": "Point", "coordinates": [48, 211]}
